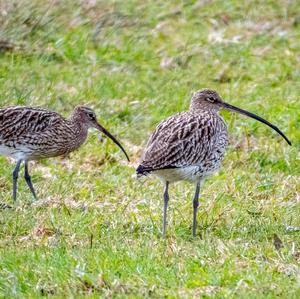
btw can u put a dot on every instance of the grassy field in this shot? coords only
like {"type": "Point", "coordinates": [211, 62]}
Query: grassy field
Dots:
{"type": "Point", "coordinates": [95, 230]}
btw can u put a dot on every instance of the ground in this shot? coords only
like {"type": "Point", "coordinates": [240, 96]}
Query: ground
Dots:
{"type": "Point", "coordinates": [96, 230]}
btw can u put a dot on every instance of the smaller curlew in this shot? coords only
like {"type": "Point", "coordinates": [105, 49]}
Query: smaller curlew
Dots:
{"type": "Point", "coordinates": [28, 133]}
{"type": "Point", "coordinates": [191, 145]}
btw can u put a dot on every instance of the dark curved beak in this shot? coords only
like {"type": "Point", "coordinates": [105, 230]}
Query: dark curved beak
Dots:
{"type": "Point", "coordinates": [104, 131]}
{"type": "Point", "coordinates": [252, 115]}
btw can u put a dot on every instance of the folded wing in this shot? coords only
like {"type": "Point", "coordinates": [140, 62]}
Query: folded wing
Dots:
{"type": "Point", "coordinates": [182, 140]}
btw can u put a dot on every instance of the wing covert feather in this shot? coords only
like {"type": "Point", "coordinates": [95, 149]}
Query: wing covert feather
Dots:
{"type": "Point", "coordinates": [22, 122]}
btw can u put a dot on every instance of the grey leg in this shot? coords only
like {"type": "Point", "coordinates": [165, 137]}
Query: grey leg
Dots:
{"type": "Point", "coordinates": [166, 200]}
{"type": "Point", "coordinates": [15, 179]}
{"type": "Point", "coordinates": [28, 180]}
{"type": "Point", "coordinates": [195, 207]}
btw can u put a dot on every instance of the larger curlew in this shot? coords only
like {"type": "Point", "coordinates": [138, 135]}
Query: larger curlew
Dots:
{"type": "Point", "coordinates": [191, 145]}
{"type": "Point", "coordinates": [28, 133]}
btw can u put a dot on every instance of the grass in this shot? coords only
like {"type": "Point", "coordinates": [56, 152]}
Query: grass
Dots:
{"type": "Point", "coordinates": [95, 230]}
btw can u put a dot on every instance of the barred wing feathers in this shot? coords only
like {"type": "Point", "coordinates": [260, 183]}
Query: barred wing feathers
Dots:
{"type": "Point", "coordinates": [182, 140]}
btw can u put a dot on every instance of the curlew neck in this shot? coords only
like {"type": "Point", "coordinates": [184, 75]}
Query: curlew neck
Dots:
{"type": "Point", "coordinates": [79, 129]}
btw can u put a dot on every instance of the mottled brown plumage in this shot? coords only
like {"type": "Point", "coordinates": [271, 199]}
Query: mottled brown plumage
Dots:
{"type": "Point", "coordinates": [184, 140]}
{"type": "Point", "coordinates": [28, 133]}
{"type": "Point", "coordinates": [190, 145]}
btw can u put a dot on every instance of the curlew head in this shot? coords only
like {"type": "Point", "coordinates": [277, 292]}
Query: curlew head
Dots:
{"type": "Point", "coordinates": [210, 100]}
{"type": "Point", "coordinates": [87, 117]}
{"type": "Point", "coordinates": [206, 99]}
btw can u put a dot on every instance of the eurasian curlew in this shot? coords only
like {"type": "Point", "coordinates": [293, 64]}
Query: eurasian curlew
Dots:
{"type": "Point", "coordinates": [28, 133]}
{"type": "Point", "coordinates": [191, 145]}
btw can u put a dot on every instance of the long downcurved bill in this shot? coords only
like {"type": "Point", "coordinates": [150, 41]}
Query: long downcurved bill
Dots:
{"type": "Point", "coordinates": [104, 131]}
{"type": "Point", "coordinates": [252, 115]}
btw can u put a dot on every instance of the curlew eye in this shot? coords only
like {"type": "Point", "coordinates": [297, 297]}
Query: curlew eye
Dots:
{"type": "Point", "coordinates": [91, 115]}
{"type": "Point", "coordinates": [210, 99]}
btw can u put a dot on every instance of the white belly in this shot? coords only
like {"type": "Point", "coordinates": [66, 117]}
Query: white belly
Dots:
{"type": "Point", "coordinates": [188, 173]}
{"type": "Point", "coordinates": [18, 154]}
